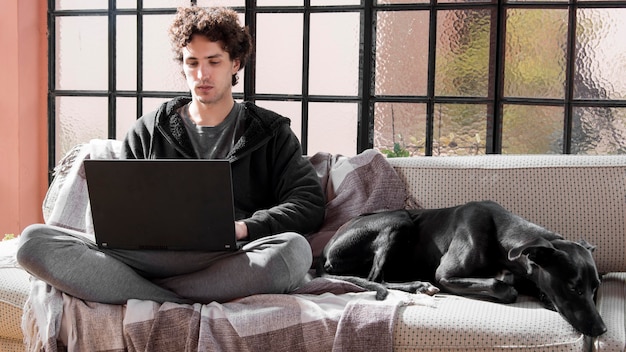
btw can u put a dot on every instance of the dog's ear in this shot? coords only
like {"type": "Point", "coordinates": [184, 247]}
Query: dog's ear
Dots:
{"type": "Point", "coordinates": [530, 248]}
{"type": "Point", "coordinates": [587, 245]}
{"type": "Point", "coordinates": [538, 250]}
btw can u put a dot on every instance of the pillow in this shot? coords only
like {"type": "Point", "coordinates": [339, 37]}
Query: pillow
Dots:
{"type": "Point", "coordinates": [354, 185]}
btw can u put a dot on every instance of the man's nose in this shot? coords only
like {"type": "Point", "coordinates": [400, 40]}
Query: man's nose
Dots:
{"type": "Point", "coordinates": [204, 71]}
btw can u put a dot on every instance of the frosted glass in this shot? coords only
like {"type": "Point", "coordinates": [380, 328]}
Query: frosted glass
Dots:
{"type": "Point", "coordinates": [81, 53]}
{"type": "Point", "coordinates": [463, 38]}
{"type": "Point", "coordinates": [279, 53]}
{"type": "Point", "coordinates": [290, 109]}
{"type": "Point", "coordinates": [535, 60]}
{"type": "Point", "coordinates": [528, 129]}
{"type": "Point", "coordinates": [599, 131]}
{"type": "Point", "coordinates": [600, 54]}
{"type": "Point", "coordinates": [401, 53]}
{"type": "Point", "coordinates": [459, 129]}
{"type": "Point", "coordinates": [126, 53]}
{"type": "Point", "coordinates": [161, 71]}
{"type": "Point", "coordinates": [333, 128]}
{"type": "Point", "coordinates": [403, 124]}
{"type": "Point", "coordinates": [81, 5]}
{"type": "Point", "coordinates": [78, 120]}
{"type": "Point", "coordinates": [126, 115]}
{"type": "Point", "coordinates": [334, 53]}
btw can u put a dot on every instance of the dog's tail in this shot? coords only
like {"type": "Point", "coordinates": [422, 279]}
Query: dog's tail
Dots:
{"type": "Point", "coordinates": [381, 290]}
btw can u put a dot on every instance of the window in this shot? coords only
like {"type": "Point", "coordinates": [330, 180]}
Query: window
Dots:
{"type": "Point", "coordinates": [448, 77]}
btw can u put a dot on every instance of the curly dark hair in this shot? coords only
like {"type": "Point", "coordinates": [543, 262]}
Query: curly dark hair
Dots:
{"type": "Point", "coordinates": [216, 24]}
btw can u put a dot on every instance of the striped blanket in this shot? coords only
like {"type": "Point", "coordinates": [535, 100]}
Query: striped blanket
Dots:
{"type": "Point", "coordinates": [323, 315]}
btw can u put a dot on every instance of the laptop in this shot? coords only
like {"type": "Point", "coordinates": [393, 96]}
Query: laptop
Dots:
{"type": "Point", "coordinates": [162, 204]}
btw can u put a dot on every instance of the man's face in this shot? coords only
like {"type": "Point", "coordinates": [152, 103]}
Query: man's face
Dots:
{"type": "Point", "coordinates": [208, 70]}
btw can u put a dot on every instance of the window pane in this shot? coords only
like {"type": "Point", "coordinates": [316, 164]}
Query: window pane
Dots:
{"type": "Point", "coordinates": [78, 120]}
{"type": "Point", "coordinates": [333, 128]}
{"type": "Point", "coordinates": [227, 3]}
{"type": "Point", "coordinates": [279, 3]}
{"type": "Point", "coordinates": [334, 2]}
{"type": "Point", "coordinates": [81, 53]}
{"type": "Point", "coordinates": [160, 71]}
{"type": "Point", "coordinates": [599, 131]}
{"type": "Point", "coordinates": [601, 54]}
{"type": "Point", "coordinates": [463, 38]}
{"type": "Point", "coordinates": [279, 53]}
{"type": "Point", "coordinates": [165, 3]}
{"type": "Point", "coordinates": [459, 129]}
{"type": "Point", "coordinates": [151, 104]}
{"type": "Point", "coordinates": [125, 4]}
{"type": "Point", "coordinates": [126, 53]}
{"type": "Point", "coordinates": [401, 1]}
{"type": "Point", "coordinates": [532, 129]}
{"type": "Point", "coordinates": [465, 1]}
{"type": "Point", "coordinates": [400, 128]}
{"type": "Point", "coordinates": [81, 5]}
{"type": "Point", "coordinates": [334, 59]}
{"type": "Point", "coordinates": [535, 58]}
{"type": "Point", "coordinates": [126, 115]}
{"type": "Point", "coordinates": [401, 52]}
{"type": "Point", "coordinates": [289, 109]}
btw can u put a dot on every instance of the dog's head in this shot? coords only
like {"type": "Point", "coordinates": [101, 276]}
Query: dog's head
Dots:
{"type": "Point", "coordinates": [566, 275]}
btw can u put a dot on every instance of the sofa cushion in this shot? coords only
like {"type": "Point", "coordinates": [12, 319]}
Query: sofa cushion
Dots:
{"type": "Point", "coordinates": [454, 323]}
{"type": "Point", "coordinates": [14, 289]}
{"type": "Point", "coordinates": [611, 303]}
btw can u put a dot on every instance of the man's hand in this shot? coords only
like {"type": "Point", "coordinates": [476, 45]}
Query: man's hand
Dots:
{"type": "Point", "coordinates": [241, 230]}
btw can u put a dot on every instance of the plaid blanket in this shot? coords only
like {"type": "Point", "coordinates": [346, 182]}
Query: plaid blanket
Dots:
{"type": "Point", "coordinates": [323, 315]}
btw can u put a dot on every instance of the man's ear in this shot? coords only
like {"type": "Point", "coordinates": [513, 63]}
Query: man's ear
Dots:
{"type": "Point", "coordinates": [236, 65]}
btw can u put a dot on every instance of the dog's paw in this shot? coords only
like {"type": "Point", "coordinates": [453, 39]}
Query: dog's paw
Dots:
{"type": "Point", "coordinates": [415, 287]}
{"type": "Point", "coordinates": [504, 292]}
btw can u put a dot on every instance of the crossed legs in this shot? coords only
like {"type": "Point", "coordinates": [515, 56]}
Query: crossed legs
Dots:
{"type": "Point", "coordinates": [74, 264]}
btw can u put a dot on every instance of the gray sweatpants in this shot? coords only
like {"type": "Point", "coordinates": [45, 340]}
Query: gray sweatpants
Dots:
{"type": "Point", "coordinates": [74, 264]}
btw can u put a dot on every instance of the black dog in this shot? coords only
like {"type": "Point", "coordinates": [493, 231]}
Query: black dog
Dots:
{"type": "Point", "coordinates": [477, 249]}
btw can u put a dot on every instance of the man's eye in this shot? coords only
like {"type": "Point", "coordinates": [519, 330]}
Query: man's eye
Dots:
{"type": "Point", "coordinates": [214, 62]}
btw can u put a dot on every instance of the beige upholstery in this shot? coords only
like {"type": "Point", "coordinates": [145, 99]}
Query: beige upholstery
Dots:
{"type": "Point", "coordinates": [577, 196]}
{"type": "Point", "coordinates": [14, 288]}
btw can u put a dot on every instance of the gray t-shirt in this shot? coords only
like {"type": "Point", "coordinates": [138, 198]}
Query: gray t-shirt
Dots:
{"type": "Point", "coordinates": [214, 142]}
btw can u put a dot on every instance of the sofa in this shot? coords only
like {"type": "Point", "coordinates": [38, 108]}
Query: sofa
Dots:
{"type": "Point", "coordinates": [580, 197]}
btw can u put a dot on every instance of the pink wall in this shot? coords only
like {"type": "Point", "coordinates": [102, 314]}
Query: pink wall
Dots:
{"type": "Point", "coordinates": [23, 116]}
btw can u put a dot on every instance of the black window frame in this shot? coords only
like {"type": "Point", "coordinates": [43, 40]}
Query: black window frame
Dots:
{"type": "Point", "coordinates": [366, 98]}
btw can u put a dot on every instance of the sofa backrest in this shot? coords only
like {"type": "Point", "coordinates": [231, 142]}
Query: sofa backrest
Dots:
{"type": "Point", "coordinates": [580, 197]}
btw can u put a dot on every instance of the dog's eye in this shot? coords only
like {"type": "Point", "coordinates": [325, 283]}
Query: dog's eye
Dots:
{"type": "Point", "coordinates": [576, 290]}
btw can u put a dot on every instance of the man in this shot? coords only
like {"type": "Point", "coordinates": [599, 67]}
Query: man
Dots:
{"type": "Point", "coordinates": [278, 197]}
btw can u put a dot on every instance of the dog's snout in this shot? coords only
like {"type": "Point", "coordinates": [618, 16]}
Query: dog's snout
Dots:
{"type": "Point", "coordinates": [597, 328]}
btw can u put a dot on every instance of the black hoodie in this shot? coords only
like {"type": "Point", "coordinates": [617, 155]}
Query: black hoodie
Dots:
{"type": "Point", "coordinates": [276, 189]}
